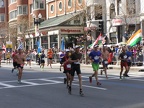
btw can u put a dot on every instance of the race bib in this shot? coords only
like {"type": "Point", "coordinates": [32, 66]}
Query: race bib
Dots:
{"type": "Point", "coordinates": [76, 62]}
{"type": "Point", "coordinates": [96, 57]}
{"type": "Point", "coordinates": [42, 58]}
{"type": "Point", "coordinates": [106, 62]}
{"type": "Point", "coordinates": [68, 65]}
{"type": "Point", "coordinates": [125, 56]}
{"type": "Point", "coordinates": [129, 58]}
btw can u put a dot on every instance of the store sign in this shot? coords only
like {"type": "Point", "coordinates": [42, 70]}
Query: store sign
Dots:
{"type": "Point", "coordinates": [71, 31]}
{"type": "Point", "coordinates": [117, 22]}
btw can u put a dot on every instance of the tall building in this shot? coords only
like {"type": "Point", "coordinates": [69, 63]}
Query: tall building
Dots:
{"type": "Point", "coordinates": [122, 19]}
{"type": "Point", "coordinates": [17, 18]}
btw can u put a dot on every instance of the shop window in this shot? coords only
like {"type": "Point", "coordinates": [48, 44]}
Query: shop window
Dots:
{"type": "Point", "coordinates": [60, 5]}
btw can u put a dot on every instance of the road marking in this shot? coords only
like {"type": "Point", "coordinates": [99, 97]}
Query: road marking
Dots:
{"type": "Point", "coordinates": [54, 81]}
{"type": "Point", "coordinates": [91, 87]}
{"type": "Point", "coordinates": [31, 83]}
{"type": "Point", "coordinates": [7, 85]}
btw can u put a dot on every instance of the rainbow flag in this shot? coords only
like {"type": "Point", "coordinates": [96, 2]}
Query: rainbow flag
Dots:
{"type": "Point", "coordinates": [135, 38]}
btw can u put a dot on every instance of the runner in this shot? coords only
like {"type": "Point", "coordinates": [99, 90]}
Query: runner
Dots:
{"type": "Point", "coordinates": [8, 55]}
{"type": "Point", "coordinates": [105, 56]}
{"type": "Point", "coordinates": [76, 58]}
{"type": "Point", "coordinates": [50, 56]}
{"type": "Point", "coordinates": [129, 61]}
{"type": "Point", "coordinates": [123, 58]}
{"type": "Point", "coordinates": [42, 57]}
{"type": "Point", "coordinates": [61, 58]}
{"type": "Point", "coordinates": [67, 67]}
{"type": "Point", "coordinates": [20, 59]}
{"type": "Point", "coordinates": [95, 57]}
{"type": "Point", "coordinates": [29, 58]}
{"type": "Point", "coordinates": [14, 60]}
{"type": "Point", "coordinates": [0, 57]}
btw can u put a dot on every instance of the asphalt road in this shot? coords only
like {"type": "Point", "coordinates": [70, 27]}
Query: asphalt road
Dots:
{"type": "Point", "coordinates": [45, 89]}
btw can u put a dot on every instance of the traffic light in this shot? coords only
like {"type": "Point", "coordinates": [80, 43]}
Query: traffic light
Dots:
{"type": "Point", "coordinates": [101, 26]}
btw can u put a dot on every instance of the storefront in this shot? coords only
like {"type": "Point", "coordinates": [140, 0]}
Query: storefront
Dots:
{"type": "Point", "coordinates": [70, 35]}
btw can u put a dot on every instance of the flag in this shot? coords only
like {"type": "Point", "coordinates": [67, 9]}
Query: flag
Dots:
{"type": "Point", "coordinates": [4, 48]}
{"type": "Point", "coordinates": [135, 38]}
{"type": "Point", "coordinates": [20, 46]}
{"type": "Point", "coordinates": [39, 46]}
{"type": "Point", "coordinates": [97, 41]}
{"type": "Point", "coordinates": [63, 44]}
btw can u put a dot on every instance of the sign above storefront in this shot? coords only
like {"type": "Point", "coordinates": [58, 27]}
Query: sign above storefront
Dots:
{"type": "Point", "coordinates": [71, 31]}
{"type": "Point", "coordinates": [117, 22]}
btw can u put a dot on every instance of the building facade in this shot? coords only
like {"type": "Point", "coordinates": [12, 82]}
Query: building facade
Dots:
{"type": "Point", "coordinates": [122, 19]}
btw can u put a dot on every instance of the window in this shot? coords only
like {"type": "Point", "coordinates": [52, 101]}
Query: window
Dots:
{"type": "Point", "coordinates": [119, 7]}
{"type": "Point", "coordinates": [60, 5]}
{"type": "Point", "coordinates": [52, 8]}
{"type": "Point", "coordinates": [39, 4]}
{"type": "Point", "coordinates": [13, 14]}
{"type": "Point", "coordinates": [98, 12]}
{"type": "Point", "coordinates": [1, 3]}
{"type": "Point", "coordinates": [22, 10]}
{"type": "Point", "coordinates": [1, 17]}
{"type": "Point", "coordinates": [70, 3]}
{"type": "Point", "coordinates": [131, 7]}
{"type": "Point", "coordinates": [31, 8]}
{"type": "Point", "coordinates": [79, 1]}
{"type": "Point", "coordinates": [112, 11]}
{"type": "Point", "coordinates": [11, 1]}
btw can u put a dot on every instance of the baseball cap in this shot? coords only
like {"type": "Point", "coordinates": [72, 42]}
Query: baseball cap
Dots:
{"type": "Point", "coordinates": [67, 50]}
{"type": "Point", "coordinates": [77, 46]}
{"type": "Point", "coordinates": [95, 46]}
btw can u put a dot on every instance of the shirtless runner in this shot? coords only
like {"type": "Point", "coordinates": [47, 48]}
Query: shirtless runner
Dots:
{"type": "Point", "coordinates": [105, 55]}
{"type": "Point", "coordinates": [20, 58]}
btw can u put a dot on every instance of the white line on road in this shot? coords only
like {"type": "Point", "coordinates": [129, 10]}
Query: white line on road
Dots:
{"type": "Point", "coordinates": [31, 83]}
{"type": "Point", "coordinates": [91, 87]}
{"type": "Point", "coordinates": [54, 81]}
{"type": "Point", "coordinates": [7, 85]}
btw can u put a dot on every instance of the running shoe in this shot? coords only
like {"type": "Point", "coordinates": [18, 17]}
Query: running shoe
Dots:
{"type": "Point", "coordinates": [90, 79]}
{"type": "Point", "coordinates": [12, 70]}
{"type": "Point", "coordinates": [81, 92]}
{"type": "Point", "coordinates": [69, 89]}
{"type": "Point", "coordinates": [19, 81]}
{"type": "Point", "coordinates": [98, 83]}
{"type": "Point", "coordinates": [120, 78]}
{"type": "Point", "coordinates": [65, 80]}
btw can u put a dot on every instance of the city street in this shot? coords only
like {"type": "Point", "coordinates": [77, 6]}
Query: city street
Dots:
{"type": "Point", "coordinates": [45, 89]}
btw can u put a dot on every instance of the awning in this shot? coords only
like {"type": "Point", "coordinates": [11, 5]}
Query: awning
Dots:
{"type": "Point", "coordinates": [57, 20]}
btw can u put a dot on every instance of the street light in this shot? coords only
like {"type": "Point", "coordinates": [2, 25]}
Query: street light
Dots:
{"type": "Point", "coordinates": [37, 22]}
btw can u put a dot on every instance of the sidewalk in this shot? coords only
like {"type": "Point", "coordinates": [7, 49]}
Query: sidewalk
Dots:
{"type": "Point", "coordinates": [138, 68]}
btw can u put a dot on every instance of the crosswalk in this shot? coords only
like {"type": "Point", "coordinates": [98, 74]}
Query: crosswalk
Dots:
{"type": "Point", "coordinates": [59, 80]}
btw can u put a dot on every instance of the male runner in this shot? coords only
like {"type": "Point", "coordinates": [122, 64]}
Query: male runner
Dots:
{"type": "Point", "coordinates": [76, 58]}
{"type": "Point", "coordinates": [20, 59]}
{"type": "Point", "coordinates": [105, 56]}
{"type": "Point", "coordinates": [129, 61]}
{"type": "Point", "coordinates": [0, 57]}
{"type": "Point", "coordinates": [95, 57]}
{"type": "Point", "coordinates": [42, 57]}
{"type": "Point", "coordinates": [123, 57]}
{"type": "Point", "coordinates": [14, 60]}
